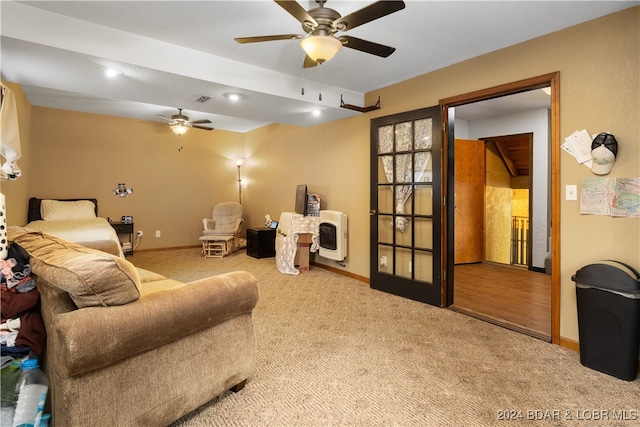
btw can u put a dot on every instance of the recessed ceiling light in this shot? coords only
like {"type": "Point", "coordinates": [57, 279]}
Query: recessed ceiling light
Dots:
{"type": "Point", "coordinates": [233, 96]}
{"type": "Point", "coordinates": [112, 72]}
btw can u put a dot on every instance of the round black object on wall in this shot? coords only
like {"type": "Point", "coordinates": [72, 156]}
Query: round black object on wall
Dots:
{"type": "Point", "coordinates": [606, 139]}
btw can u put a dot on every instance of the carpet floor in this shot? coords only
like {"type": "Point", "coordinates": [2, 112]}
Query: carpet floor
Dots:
{"type": "Point", "coordinates": [333, 352]}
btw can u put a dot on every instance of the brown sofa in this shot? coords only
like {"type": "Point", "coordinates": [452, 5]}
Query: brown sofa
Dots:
{"type": "Point", "coordinates": [129, 347]}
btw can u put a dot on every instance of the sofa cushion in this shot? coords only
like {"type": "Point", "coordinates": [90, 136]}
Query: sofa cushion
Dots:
{"type": "Point", "coordinates": [148, 276]}
{"type": "Point", "coordinates": [158, 285]}
{"type": "Point", "coordinates": [91, 277]}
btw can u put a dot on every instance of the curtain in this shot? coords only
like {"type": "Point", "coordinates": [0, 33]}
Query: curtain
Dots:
{"type": "Point", "coordinates": [9, 136]}
{"type": "Point", "coordinates": [410, 166]}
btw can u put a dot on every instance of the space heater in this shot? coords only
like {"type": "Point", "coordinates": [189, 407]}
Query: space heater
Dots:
{"type": "Point", "coordinates": [333, 235]}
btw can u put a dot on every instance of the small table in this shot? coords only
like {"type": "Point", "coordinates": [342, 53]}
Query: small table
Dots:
{"type": "Point", "coordinates": [261, 242]}
{"type": "Point", "coordinates": [217, 246]}
{"type": "Point", "coordinates": [125, 228]}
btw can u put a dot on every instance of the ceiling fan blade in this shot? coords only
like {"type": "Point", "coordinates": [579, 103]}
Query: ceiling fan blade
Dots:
{"type": "Point", "coordinates": [201, 127]}
{"type": "Point", "coordinates": [367, 46]}
{"type": "Point", "coordinates": [297, 12]}
{"type": "Point", "coordinates": [267, 38]}
{"type": "Point", "coordinates": [198, 122]}
{"type": "Point", "coordinates": [308, 62]}
{"type": "Point", "coordinates": [166, 118]}
{"type": "Point", "coordinates": [367, 14]}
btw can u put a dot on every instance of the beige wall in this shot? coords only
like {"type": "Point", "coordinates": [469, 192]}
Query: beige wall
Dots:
{"type": "Point", "coordinates": [332, 160]}
{"type": "Point", "coordinates": [87, 155]}
{"type": "Point", "coordinates": [84, 155]}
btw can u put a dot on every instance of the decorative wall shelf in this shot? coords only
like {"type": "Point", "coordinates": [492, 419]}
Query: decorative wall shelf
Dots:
{"type": "Point", "coordinates": [360, 109]}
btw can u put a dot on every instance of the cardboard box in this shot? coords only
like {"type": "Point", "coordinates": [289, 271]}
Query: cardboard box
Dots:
{"type": "Point", "coordinates": [302, 253]}
{"type": "Point", "coordinates": [305, 238]}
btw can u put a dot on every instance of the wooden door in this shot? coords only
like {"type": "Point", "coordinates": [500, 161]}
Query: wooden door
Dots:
{"type": "Point", "coordinates": [406, 157]}
{"type": "Point", "coordinates": [469, 180]}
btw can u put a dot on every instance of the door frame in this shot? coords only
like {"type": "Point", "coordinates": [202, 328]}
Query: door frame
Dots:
{"type": "Point", "coordinates": [551, 80]}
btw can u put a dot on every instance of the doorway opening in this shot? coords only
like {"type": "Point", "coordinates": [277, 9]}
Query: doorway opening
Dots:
{"type": "Point", "coordinates": [496, 287]}
{"type": "Point", "coordinates": [508, 206]}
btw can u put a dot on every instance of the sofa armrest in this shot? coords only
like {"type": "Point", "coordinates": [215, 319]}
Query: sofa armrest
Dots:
{"type": "Point", "coordinates": [94, 337]}
{"type": "Point", "coordinates": [108, 246]}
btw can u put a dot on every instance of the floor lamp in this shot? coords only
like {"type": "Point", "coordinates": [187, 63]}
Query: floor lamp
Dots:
{"type": "Point", "coordinates": [239, 163]}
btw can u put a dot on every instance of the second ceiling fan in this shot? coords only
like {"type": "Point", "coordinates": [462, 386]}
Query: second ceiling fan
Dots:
{"type": "Point", "coordinates": [180, 123]}
{"type": "Point", "coordinates": [322, 23]}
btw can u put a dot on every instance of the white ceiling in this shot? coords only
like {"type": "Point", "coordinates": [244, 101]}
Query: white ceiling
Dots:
{"type": "Point", "coordinates": [173, 52]}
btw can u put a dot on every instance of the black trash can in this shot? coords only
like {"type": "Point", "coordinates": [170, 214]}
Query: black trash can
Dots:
{"type": "Point", "coordinates": [608, 297]}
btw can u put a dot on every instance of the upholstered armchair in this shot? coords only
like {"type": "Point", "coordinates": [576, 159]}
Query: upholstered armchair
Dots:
{"type": "Point", "coordinates": [226, 220]}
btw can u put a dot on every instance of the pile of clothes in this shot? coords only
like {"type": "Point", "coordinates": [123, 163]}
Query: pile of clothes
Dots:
{"type": "Point", "coordinates": [22, 329]}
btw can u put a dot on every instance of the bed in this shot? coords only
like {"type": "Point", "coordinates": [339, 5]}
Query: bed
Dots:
{"type": "Point", "coordinates": [75, 220]}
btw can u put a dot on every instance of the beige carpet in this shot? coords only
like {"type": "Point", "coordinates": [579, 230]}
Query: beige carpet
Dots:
{"type": "Point", "coordinates": [331, 351]}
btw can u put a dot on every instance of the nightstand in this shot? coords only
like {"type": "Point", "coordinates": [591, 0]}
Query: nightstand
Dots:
{"type": "Point", "coordinates": [261, 242]}
{"type": "Point", "coordinates": [125, 228]}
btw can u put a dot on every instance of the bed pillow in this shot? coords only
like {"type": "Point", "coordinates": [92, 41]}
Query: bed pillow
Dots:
{"type": "Point", "coordinates": [53, 210]}
{"type": "Point", "coordinates": [91, 277]}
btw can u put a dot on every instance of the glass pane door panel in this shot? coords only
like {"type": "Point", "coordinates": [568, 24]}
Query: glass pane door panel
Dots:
{"type": "Point", "coordinates": [403, 199]}
{"type": "Point", "coordinates": [424, 266]}
{"type": "Point", "coordinates": [423, 134]}
{"type": "Point", "coordinates": [403, 238]}
{"type": "Point", "coordinates": [404, 137]}
{"type": "Point", "coordinates": [404, 168]}
{"type": "Point", "coordinates": [423, 233]}
{"type": "Point", "coordinates": [423, 195]}
{"type": "Point", "coordinates": [423, 167]}
{"type": "Point", "coordinates": [385, 199]}
{"type": "Point", "coordinates": [385, 139]}
{"type": "Point", "coordinates": [385, 169]}
{"type": "Point", "coordinates": [403, 262]}
{"type": "Point", "coordinates": [385, 259]}
{"type": "Point", "coordinates": [385, 229]}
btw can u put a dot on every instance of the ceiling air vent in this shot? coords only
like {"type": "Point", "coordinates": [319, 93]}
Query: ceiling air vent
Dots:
{"type": "Point", "coordinates": [203, 99]}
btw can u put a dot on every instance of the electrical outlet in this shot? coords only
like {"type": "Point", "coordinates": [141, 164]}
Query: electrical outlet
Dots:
{"type": "Point", "coordinates": [571, 192]}
{"type": "Point", "coordinates": [139, 233]}
{"type": "Point", "coordinates": [157, 233]}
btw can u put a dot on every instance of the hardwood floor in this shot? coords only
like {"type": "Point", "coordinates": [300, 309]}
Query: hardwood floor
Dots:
{"type": "Point", "coordinates": [512, 297]}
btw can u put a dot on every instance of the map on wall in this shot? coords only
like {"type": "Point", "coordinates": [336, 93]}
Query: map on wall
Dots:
{"type": "Point", "coordinates": [610, 196]}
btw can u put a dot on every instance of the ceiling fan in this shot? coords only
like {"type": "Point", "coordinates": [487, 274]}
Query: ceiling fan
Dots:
{"type": "Point", "coordinates": [180, 123]}
{"type": "Point", "coordinates": [322, 23]}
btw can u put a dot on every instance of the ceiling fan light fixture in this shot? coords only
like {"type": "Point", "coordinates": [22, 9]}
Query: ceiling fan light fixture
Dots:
{"type": "Point", "coordinates": [321, 48]}
{"type": "Point", "coordinates": [179, 129]}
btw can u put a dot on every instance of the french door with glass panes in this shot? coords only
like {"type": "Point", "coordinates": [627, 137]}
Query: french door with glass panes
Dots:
{"type": "Point", "coordinates": [406, 205]}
